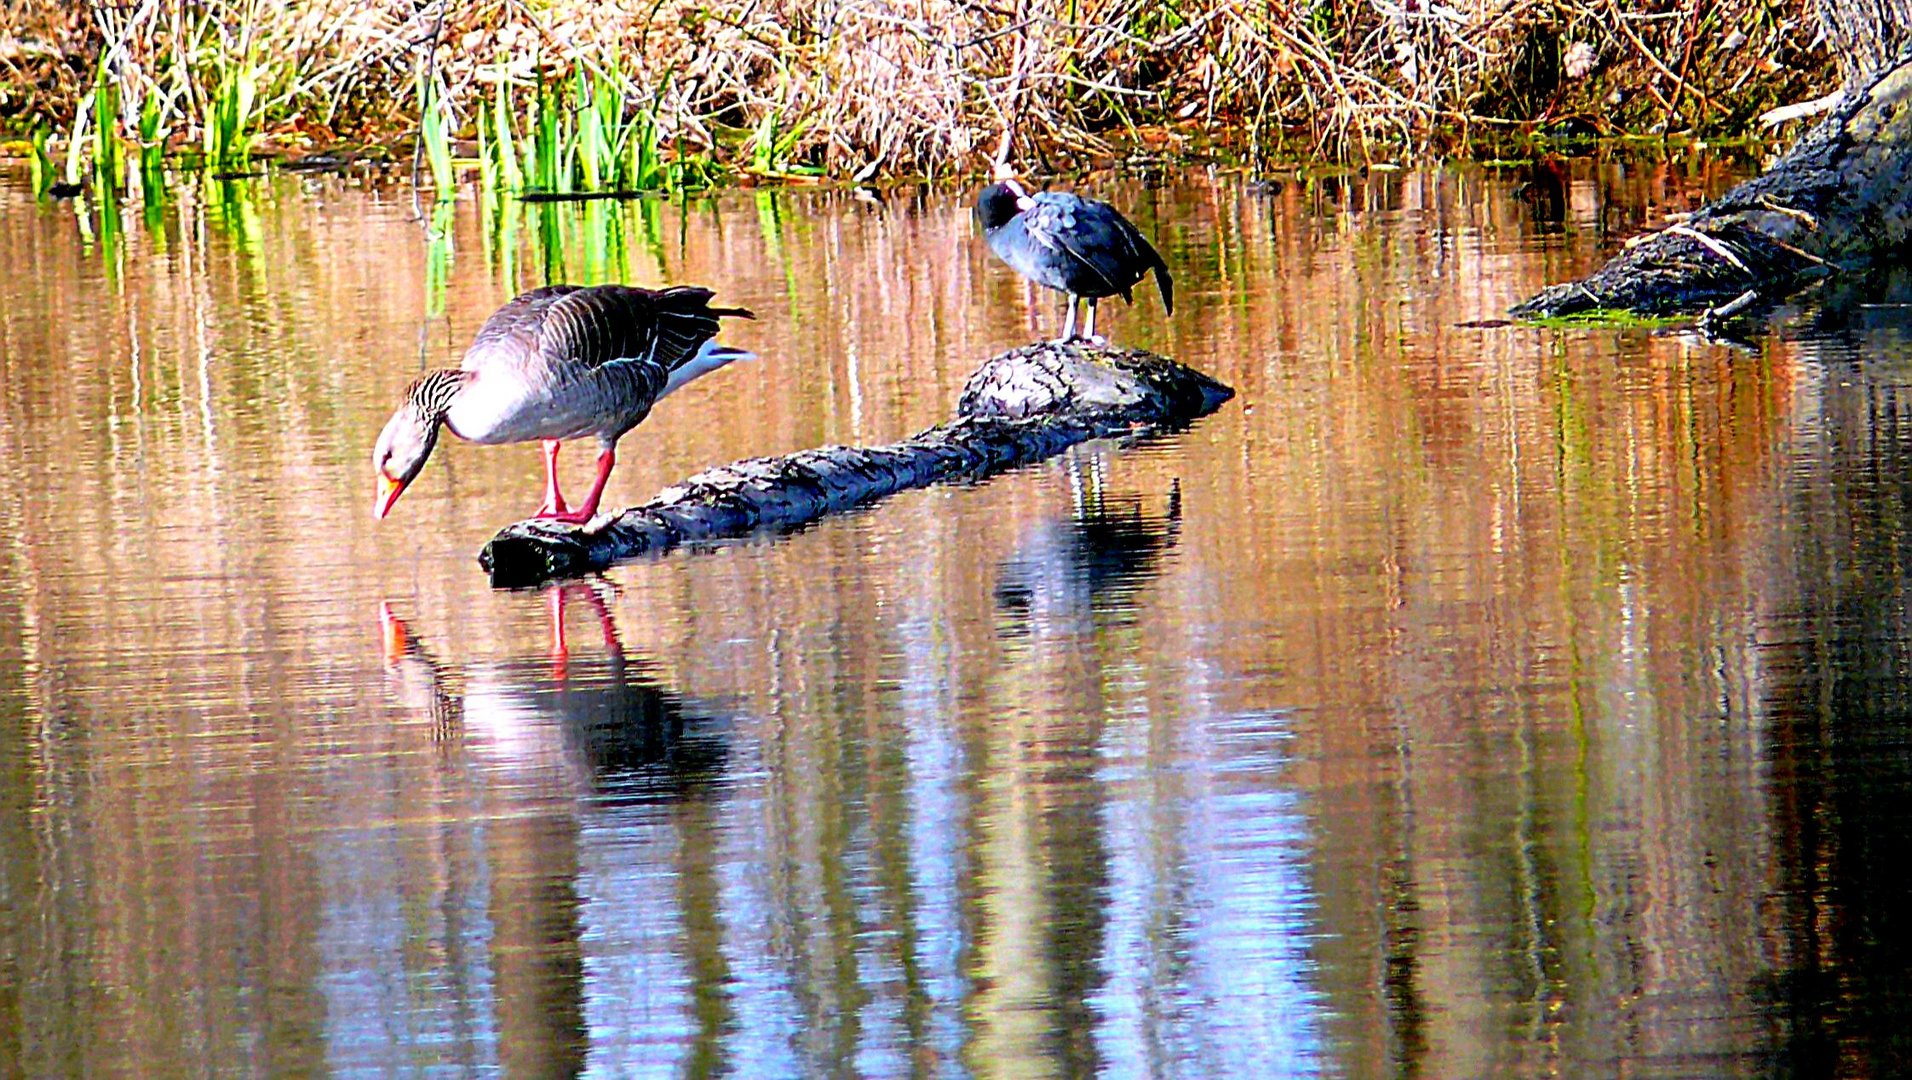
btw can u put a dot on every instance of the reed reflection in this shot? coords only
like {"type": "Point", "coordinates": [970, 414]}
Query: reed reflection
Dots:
{"type": "Point", "coordinates": [1506, 702]}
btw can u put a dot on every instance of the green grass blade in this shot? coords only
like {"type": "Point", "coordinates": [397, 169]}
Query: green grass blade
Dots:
{"type": "Point", "coordinates": [109, 156]}
{"type": "Point", "coordinates": [547, 143]}
{"type": "Point", "coordinates": [591, 152]}
{"type": "Point", "coordinates": [76, 138]}
{"type": "Point", "coordinates": [42, 163]}
{"type": "Point", "coordinates": [152, 151]}
{"type": "Point", "coordinates": [487, 158]}
{"type": "Point", "coordinates": [508, 172]}
{"type": "Point", "coordinates": [433, 129]}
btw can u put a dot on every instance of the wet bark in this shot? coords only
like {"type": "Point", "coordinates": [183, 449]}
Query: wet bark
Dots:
{"type": "Point", "coordinates": [1020, 407]}
{"type": "Point", "coordinates": [1864, 34]}
{"type": "Point", "coordinates": [1839, 199]}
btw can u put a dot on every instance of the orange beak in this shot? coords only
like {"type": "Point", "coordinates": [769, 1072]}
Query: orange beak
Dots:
{"type": "Point", "coordinates": [392, 630]}
{"type": "Point", "coordinates": [388, 492]}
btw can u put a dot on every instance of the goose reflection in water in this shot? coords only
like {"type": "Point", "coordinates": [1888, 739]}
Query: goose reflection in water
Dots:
{"type": "Point", "coordinates": [595, 776]}
{"type": "Point", "coordinates": [1090, 564]}
{"type": "Point", "coordinates": [594, 723]}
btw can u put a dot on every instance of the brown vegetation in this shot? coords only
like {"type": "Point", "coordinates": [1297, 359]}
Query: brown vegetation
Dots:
{"type": "Point", "coordinates": [900, 86]}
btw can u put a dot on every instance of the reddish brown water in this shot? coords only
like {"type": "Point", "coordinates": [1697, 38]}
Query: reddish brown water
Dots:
{"type": "Point", "coordinates": [1458, 701]}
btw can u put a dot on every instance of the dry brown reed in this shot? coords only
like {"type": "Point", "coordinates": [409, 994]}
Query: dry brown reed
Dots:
{"type": "Point", "coordinates": [920, 86]}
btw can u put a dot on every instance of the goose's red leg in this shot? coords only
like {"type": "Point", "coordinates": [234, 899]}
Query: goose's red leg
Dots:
{"type": "Point", "coordinates": [553, 498]}
{"type": "Point", "coordinates": [584, 513]}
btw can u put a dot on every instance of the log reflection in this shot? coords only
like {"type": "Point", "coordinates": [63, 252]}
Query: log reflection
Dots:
{"type": "Point", "coordinates": [1838, 652]}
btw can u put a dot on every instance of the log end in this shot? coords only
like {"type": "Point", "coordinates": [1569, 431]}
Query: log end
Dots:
{"type": "Point", "coordinates": [1083, 380]}
{"type": "Point", "coordinates": [532, 552]}
{"type": "Point", "coordinates": [1676, 272]}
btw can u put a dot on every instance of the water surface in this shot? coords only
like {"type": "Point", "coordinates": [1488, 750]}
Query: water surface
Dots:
{"type": "Point", "coordinates": [1458, 701]}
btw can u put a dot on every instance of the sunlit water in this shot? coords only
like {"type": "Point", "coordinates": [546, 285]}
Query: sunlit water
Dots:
{"type": "Point", "coordinates": [1458, 701]}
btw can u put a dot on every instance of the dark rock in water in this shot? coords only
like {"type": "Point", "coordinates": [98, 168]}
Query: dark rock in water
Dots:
{"type": "Point", "coordinates": [317, 163]}
{"type": "Point", "coordinates": [1020, 407]}
{"type": "Point", "coordinates": [580, 196]}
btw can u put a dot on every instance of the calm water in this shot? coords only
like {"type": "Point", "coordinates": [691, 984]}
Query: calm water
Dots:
{"type": "Point", "coordinates": [1457, 702]}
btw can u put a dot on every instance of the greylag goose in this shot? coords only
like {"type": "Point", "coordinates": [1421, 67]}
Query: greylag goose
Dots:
{"type": "Point", "coordinates": [1078, 246]}
{"type": "Point", "coordinates": [558, 363]}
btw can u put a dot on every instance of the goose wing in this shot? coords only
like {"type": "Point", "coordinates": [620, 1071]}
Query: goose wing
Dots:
{"type": "Point", "coordinates": [565, 332]}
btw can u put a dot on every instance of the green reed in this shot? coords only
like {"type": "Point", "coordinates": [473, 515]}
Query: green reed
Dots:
{"type": "Point", "coordinates": [771, 147]}
{"type": "Point", "coordinates": [548, 168]}
{"type": "Point", "coordinates": [226, 125]}
{"type": "Point", "coordinates": [152, 148]}
{"type": "Point", "coordinates": [507, 173]}
{"type": "Point", "coordinates": [109, 154]}
{"type": "Point", "coordinates": [642, 166]}
{"type": "Point", "coordinates": [594, 144]}
{"type": "Point", "coordinates": [152, 163]}
{"type": "Point", "coordinates": [581, 134]}
{"type": "Point", "coordinates": [42, 163]}
{"type": "Point", "coordinates": [434, 134]}
{"type": "Point", "coordinates": [488, 181]}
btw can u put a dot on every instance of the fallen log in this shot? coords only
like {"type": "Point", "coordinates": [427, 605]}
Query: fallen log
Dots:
{"type": "Point", "coordinates": [1020, 407]}
{"type": "Point", "coordinates": [1839, 199]}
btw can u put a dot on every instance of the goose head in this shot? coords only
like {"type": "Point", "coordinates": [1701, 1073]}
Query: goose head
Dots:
{"type": "Point", "coordinates": [410, 435]}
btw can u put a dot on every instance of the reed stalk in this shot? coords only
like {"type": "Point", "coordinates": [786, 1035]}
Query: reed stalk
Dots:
{"type": "Point", "coordinates": [41, 163]}
{"type": "Point", "coordinates": [109, 153]}
{"type": "Point", "coordinates": [226, 124]}
{"type": "Point", "coordinates": [487, 159]}
{"type": "Point", "coordinates": [593, 149]}
{"type": "Point", "coordinates": [434, 131]}
{"type": "Point", "coordinates": [152, 147]}
{"type": "Point", "coordinates": [508, 174]}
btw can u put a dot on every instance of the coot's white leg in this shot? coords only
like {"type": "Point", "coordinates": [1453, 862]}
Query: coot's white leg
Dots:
{"type": "Point", "coordinates": [1068, 324]}
{"type": "Point", "coordinates": [1089, 331]}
